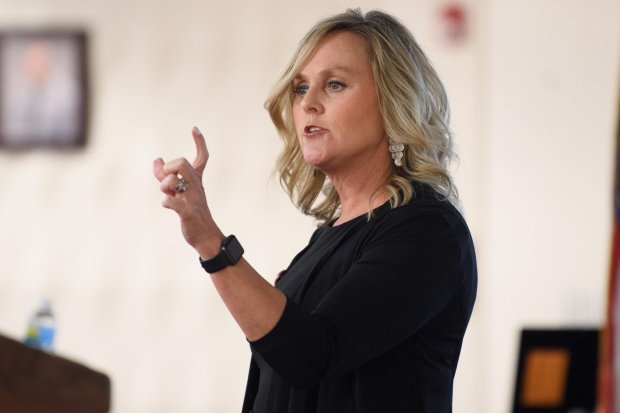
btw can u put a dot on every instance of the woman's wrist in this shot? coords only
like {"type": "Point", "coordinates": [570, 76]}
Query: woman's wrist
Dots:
{"type": "Point", "coordinates": [210, 247]}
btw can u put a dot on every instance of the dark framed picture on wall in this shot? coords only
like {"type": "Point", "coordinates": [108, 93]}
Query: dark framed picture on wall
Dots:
{"type": "Point", "coordinates": [43, 89]}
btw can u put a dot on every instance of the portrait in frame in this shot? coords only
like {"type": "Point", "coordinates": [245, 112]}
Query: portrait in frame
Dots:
{"type": "Point", "coordinates": [43, 89]}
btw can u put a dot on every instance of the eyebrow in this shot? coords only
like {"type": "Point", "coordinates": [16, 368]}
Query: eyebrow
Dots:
{"type": "Point", "coordinates": [328, 70]}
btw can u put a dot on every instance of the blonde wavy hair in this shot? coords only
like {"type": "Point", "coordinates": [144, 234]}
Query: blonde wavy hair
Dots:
{"type": "Point", "coordinates": [413, 103]}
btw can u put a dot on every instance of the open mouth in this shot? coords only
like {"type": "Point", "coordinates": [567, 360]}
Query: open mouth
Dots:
{"type": "Point", "coordinates": [309, 130]}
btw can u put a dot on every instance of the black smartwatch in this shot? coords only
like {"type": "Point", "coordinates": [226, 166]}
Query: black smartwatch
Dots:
{"type": "Point", "coordinates": [230, 252]}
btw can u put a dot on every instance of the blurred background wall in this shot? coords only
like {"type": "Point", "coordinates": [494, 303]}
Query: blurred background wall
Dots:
{"type": "Point", "coordinates": [534, 91]}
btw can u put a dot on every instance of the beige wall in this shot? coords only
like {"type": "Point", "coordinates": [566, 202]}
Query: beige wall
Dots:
{"type": "Point", "coordinates": [552, 72]}
{"type": "Point", "coordinates": [533, 95]}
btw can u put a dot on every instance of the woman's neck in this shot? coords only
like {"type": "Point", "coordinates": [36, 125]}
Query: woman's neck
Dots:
{"type": "Point", "coordinates": [360, 192]}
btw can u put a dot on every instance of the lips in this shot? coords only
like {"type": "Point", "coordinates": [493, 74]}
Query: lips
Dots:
{"type": "Point", "coordinates": [313, 130]}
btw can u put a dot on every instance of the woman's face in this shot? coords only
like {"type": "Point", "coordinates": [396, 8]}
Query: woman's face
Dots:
{"type": "Point", "coordinates": [336, 111]}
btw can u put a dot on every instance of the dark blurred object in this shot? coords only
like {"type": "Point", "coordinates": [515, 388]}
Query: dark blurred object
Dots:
{"type": "Point", "coordinates": [557, 371]}
{"type": "Point", "coordinates": [32, 381]}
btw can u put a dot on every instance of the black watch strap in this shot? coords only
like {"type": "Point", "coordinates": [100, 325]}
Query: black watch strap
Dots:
{"type": "Point", "coordinates": [231, 252]}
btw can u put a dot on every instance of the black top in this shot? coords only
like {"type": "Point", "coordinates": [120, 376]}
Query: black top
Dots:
{"type": "Point", "coordinates": [375, 316]}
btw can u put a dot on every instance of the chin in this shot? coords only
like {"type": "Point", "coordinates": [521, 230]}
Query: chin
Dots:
{"type": "Point", "coordinates": [314, 160]}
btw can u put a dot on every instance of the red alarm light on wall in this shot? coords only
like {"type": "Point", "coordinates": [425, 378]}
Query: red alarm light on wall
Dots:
{"type": "Point", "coordinates": [454, 22]}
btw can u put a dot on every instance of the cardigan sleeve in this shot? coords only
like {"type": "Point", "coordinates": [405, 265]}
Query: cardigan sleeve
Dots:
{"type": "Point", "coordinates": [406, 274]}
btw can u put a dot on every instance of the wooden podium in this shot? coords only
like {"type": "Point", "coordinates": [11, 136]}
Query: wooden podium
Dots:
{"type": "Point", "coordinates": [32, 381]}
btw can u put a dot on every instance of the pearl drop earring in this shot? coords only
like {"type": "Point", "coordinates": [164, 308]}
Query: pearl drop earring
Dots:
{"type": "Point", "coordinates": [396, 149]}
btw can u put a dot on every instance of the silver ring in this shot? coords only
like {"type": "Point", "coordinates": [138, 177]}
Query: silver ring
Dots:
{"type": "Point", "coordinates": [181, 186]}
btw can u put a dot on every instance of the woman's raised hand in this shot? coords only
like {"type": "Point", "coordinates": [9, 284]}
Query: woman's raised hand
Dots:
{"type": "Point", "coordinates": [181, 182]}
{"type": "Point", "coordinates": [254, 303]}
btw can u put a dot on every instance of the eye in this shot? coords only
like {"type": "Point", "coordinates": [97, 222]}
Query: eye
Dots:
{"type": "Point", "coordinates": [300, 89]}
{"type": "Point", "coordinates": [335, 85]}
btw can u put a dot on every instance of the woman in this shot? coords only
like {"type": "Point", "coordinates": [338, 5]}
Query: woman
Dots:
{"type": "Point", "coordinates": [370, 316]}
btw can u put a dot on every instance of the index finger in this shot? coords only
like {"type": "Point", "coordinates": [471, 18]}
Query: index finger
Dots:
{"type": "Point", "coordinates": [158, 169]}
{"type": "Point", "coordinates": [202, 154]}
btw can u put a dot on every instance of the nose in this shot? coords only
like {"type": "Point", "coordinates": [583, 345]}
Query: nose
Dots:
{"type": "Point", "coordinates": [311, 101]}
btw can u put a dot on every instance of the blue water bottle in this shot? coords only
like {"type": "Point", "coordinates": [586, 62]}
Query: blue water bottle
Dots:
{"type": "Point", "coordinates": [42, 328]}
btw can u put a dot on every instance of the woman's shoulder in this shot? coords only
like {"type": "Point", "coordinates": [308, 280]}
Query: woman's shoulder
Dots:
{"type": "Point", "coordinates": [425, 201]}
{"type": "Point", "coordinates": [426, 215]}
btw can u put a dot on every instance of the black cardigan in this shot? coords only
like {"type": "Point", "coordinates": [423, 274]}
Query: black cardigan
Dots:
{"type": "Point", "coordinates": [375, 316]}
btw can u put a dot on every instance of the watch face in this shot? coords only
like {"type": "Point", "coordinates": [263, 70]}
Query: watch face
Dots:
{"type": "Point", "coordinates": [233, 249]}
